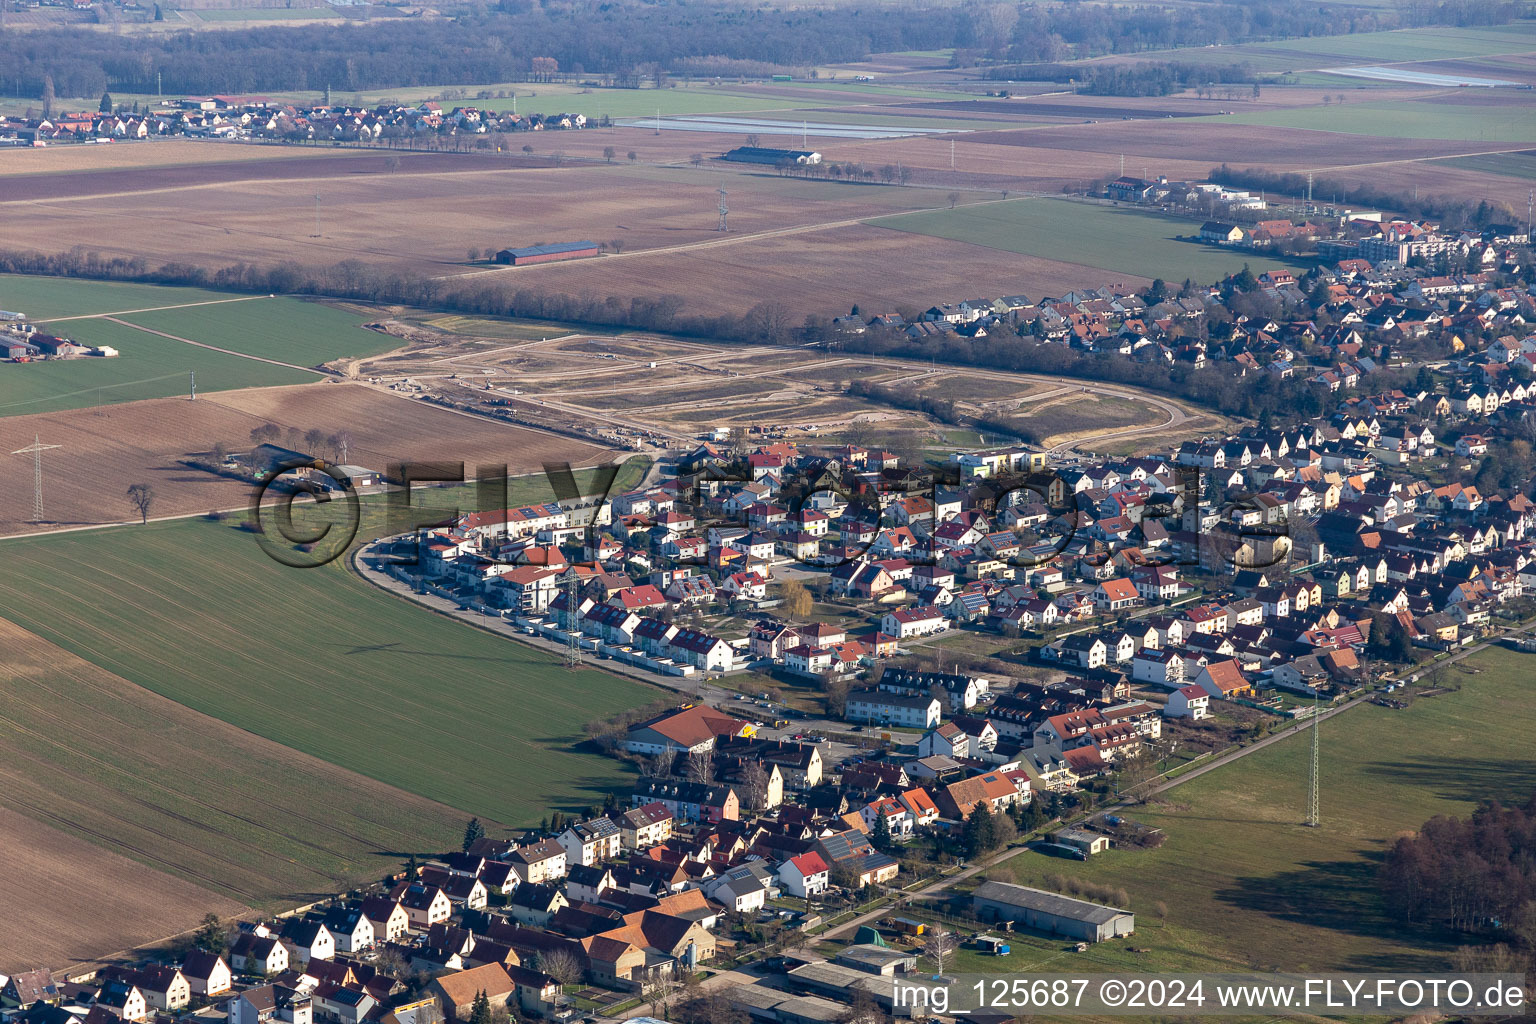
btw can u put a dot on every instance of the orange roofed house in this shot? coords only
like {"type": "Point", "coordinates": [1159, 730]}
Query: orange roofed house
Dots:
{"type": "Point", "coordinates": [690, 729]}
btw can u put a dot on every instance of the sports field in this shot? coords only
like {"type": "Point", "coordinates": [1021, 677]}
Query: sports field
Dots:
{"type": "Point", "coordinates": [1123, 240]}
{"type": "Point", "coordinates": [284, 330]}
{"type": "Point", "coordinates": [1243, 881]}
{"type": "Point", "coordinates": [321, 662]}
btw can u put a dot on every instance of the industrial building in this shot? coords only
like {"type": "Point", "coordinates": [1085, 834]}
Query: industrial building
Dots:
{"type": "Point", "coordinates": [1050, 912]}
{"type": "Point", "coordinates": [546, 253]}
{"type": "Point", "coordinates": [771, 157]}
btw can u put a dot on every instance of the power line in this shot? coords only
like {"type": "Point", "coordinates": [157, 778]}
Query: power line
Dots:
{"type": "Point", "coordinates": [1312, 789]}
{"type": "Point", "coordinates": [572, 624]}
{"type": "Point", "coordinates": [36, 449]}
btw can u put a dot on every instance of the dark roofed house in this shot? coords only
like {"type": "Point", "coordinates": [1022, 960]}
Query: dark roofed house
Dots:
{"type": "Point", "coordinates": [28, 987]}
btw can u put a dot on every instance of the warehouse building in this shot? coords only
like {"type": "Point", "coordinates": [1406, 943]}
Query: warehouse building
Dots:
{"type": "Point", "coordinates": [546, 253]}
{"type": "Point", "coordinates": [771, 157]}
{"type": "Point", "coordinates": [1050, 912]}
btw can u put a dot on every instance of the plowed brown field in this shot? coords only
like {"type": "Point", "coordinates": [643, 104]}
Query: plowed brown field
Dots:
{"type": "Point", "coordinates": [103, 451]}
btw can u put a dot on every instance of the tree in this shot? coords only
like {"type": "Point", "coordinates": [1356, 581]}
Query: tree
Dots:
{"type": "Point", "coordinates": [560, 964]}
{"type": "Point", "coordinates": [141, 497]}
{"type": "Point", "coordinates": [880, 834]}
{"type": "Point", "coordinates": [836, 690]}
{"type": "Point", "coordinates": [938, 947]}
{"type": "Point", "coordinates": [609, 153]}
{"type": "Point", "coordinates": [473, 255]}
{"type": "Point", "coordinates": [696, 159]}
{"type": "Point", "coordinates": [632, 156]}
{"type": "Point", "coordinates": [701, 767]}
{"type": "Point", "coordinates": [47, 95]}
{"type": "Point", "coordinates": [754, 784]}
{"type": "Point", "coordinates": [953, 197]}
{"type": "Point", "coordinates": [980, 833]}
{"type": "Point", "coordinates": [105, 106]}
{"type": "Point", "coordinates": [480, 1010]}
{"type": "Point", "coordinates": [212, 936]}
{"type": "Point", "coordinates": [797, 600]}
{"type": "Point", "coordinates": [527, 151]}
{"type": "Point", "coordinates": [473, 833]}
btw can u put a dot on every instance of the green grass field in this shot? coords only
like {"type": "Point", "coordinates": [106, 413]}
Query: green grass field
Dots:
{"type": "Point", "coordinates": [149, 367]}
{"type": "Point", "coordinates": [1245, 883]}
{"type": "Point", "coordinates": [115, 764]}
{"type": "Point", "coordinates": [1514, 165]}
{"type": "Point", "coordinates": [1410, 120]}
{"type": "Point", "coordinates": [1397, 46]}
{"type": "Point", "coordinates": [288, 330]}
{"type": "Point", "coordinates": [44, 297]}
{"type": "Point", "coordinates": [284, 329]}
{"type": "Point", "coordinates": [1124, 240]}
{"type": "Point", "coordinates": [322, 662]}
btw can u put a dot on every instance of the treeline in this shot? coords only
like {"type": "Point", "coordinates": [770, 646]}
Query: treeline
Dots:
{"type": "Point", "coordinates": [1453, 212]}
{"type": "Point", "coordinates": [633, 43]}
{"type": "Point", "coordinates": [1256, 396]}
{"type": "Point", "coordinates": [1151, 78]}
{"type": "Point", "coordinates": [1060, 32]}
{"type": "Point", "coordinates": [1467, 874]}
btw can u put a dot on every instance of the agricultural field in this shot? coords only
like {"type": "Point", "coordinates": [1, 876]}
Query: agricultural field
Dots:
{"type": "Point", "coordinates": [1244, 882]}
{"type": "Point", "coordinates": [1501, 118]}
{"type": "Point", "coordinates": [1514, 165]}
{"type": "Point", "coordinates": [55, 888]}
{"type": "Point", "coordinates": [1118, 240]}
{"type": "Point", "coordinates": [103, 451]}
{"type": "Point", "coordinates": [49, 299]}
{"type": "Point", "coordinates": [828, 270]}
{"type": "Point", "coordinates": [196, 612]}
{"type": "Point", "coordinates": [148, 367]}
{"type": "Point", "coordinates": [286, 330]}
{"type": "Point", "coordinates": [111, 763]}
{"type": "Point", "coordinates": [165, 334]}
{"type": "Point", "coordinates": [1396, 47]}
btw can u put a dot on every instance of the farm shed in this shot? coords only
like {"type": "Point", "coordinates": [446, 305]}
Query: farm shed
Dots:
{"type": "Point", "coordinates": [546, 253]}
{"type": "Point", "coordinates": [877, 959]}
{"type": "Point", "coordinates": [771, 157]}
{"type": "Point", "coordinates": [1081, 839]}
{"type": "Point", "coordinates": [1051, 913]}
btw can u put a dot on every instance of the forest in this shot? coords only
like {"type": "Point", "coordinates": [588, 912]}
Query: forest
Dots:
{"type": "Point", "coordinates": [630, 42]}
{"type": "Point", "coordinates": [1474, 874]}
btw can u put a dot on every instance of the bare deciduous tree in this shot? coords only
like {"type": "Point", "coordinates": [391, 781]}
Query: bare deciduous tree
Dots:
{"type": "Point", "coordinates": [141, 496]}
{"type": "Point", "coordinates": [938, 947]}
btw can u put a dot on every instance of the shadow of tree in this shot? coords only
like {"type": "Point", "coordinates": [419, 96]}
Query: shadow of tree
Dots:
{"type": "Point", "coordinates": [1342, 896]}
{"type": "Point", "coordinates": [1472, 780]}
